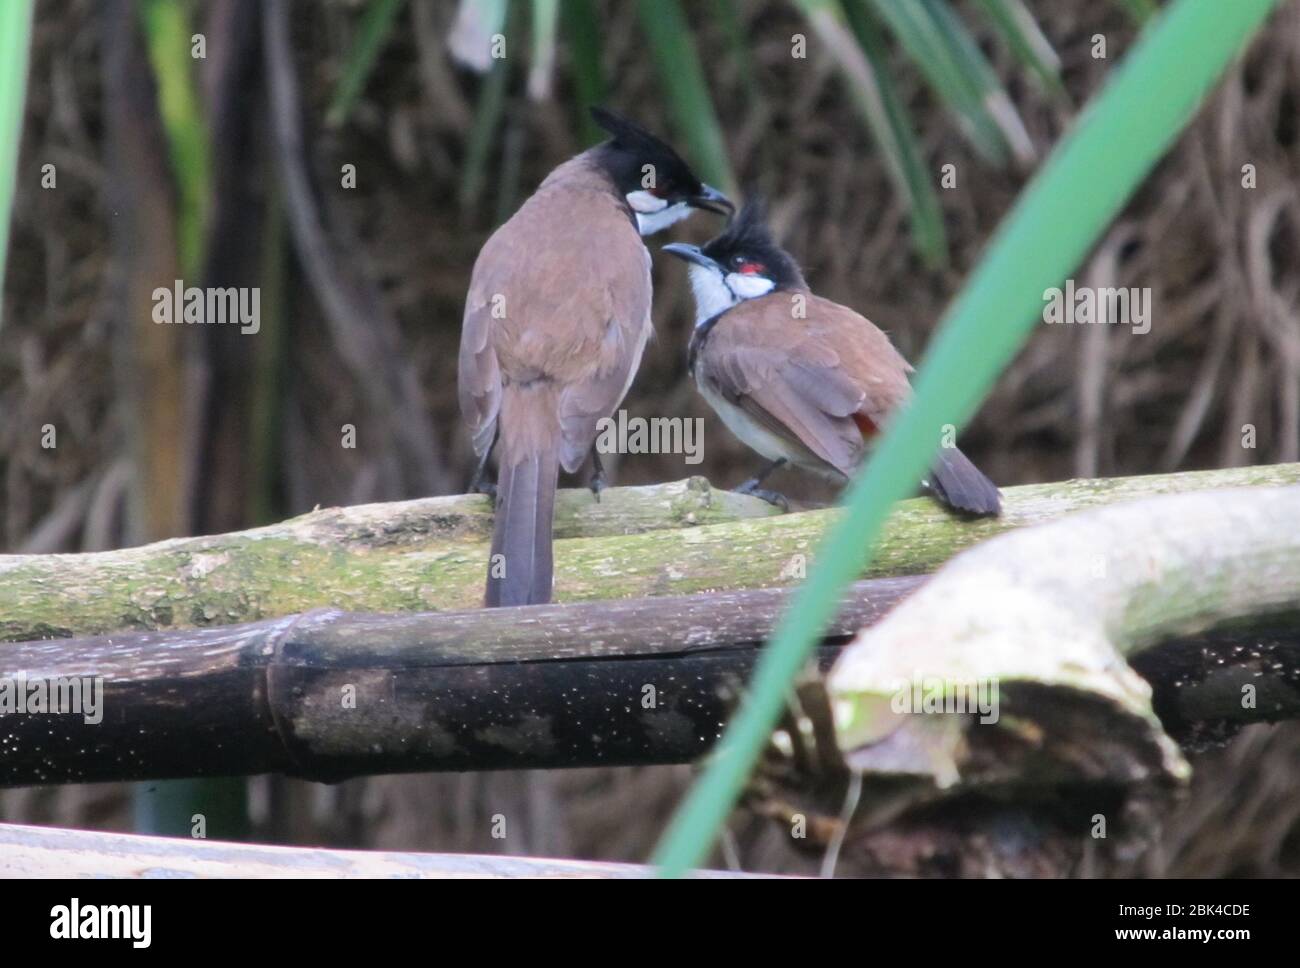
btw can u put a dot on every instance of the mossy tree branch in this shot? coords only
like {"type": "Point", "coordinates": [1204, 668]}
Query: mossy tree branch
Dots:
{"type": "Point", "coordinates": [431, 554]}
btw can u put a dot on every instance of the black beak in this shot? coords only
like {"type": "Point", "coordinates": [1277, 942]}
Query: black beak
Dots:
{"type": "Point", "coordinates": [690, 253]}
{"type": "Point", "coordinates": [714, 201]}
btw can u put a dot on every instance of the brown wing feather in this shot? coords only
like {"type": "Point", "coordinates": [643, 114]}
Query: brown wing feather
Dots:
{"type": "Point", "coordinates": [478, 380]}
{"type": "Point", "coordinates": [560, 293]}
{"type": "Point", "coordinates": [809, 378]}
{"type": "Point", "coordinates": [614, 357]}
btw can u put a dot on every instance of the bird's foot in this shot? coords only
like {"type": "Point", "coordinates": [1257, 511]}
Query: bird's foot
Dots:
{"type": "Point", "coordinates": [597, 483]}
{"type": "Point", "coordinates": [480, 484]}
{"type": "Point", "coordinates": [775, 498]}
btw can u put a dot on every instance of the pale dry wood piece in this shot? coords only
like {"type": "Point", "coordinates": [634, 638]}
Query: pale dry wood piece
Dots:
{"type": "Point", "coordinates": [1055, 762]}
{"type": "Point", "coordinates": [1052, 614]}
{"type": "Point", "coordinates": [27, 852]}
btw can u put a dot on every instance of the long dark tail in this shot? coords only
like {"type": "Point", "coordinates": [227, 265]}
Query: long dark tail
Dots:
{"type": "Point", "coordinates": [961, 485]}
{"type": "Point", "coordinates": [519, 570]}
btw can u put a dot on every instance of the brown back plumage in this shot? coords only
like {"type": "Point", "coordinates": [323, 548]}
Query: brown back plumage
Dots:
{"type": "Point", "coordinates": [556, 319]}
{"type": "Point", "coordinates": [799, 378]}
{"type": "Point", "coordinates": [825, 380]}
{"type": "Point", "coordinates": [808, 376]}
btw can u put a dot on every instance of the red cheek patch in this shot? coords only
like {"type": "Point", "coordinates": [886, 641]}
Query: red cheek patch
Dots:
{"type": "Point", "coordinates": [751, 268]}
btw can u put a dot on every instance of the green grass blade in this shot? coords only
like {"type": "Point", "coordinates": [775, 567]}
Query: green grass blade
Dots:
{"type": "Point", "coordinates": [1061, 214]}
{"type": "Point", "coordinates": [487, 121]}
{"type": "Point", "coordinates": [673, 49]}
{"type": "Point", "coordinates": [167, 807]}
{"type": "Point", "coordinates": [167, 32]}
{"type": "Point", "coordinates": [862, 63]}
{"type": "Point", "coordinates": [1140, 10]}
{"type": "Point", "coordinates": [15, 43]}
{"type": "Point", "coordinates": [546, 14]}
{"type": "Point", "coordinates": [1027, 41]}
{"type": "Point", "coordinates": [726, 14]}
{"type": "Point", "coordinates": [930, 49]}
{"type": "Point", "coordinates": [376, 25]}
{"type": "Point", "coordinates": [582, 31]}
{"type": "Point", "coordinates": [988, 88]}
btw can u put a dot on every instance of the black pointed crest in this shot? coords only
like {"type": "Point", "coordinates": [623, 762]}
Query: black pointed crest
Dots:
{"type": "Point", "coordinates": [636, 147]}
{"type": "Point", "coordinates": [750, 236]}
{"type": "Point", "coordinates": [631, 135]}
{"type": "Point", "coordinates": [748, 230]}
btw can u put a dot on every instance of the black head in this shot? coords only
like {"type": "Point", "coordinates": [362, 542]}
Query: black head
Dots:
{"type": "Point", "coordinates": [658, 185]}
{"type": "Point", "coordinates": [744, 262]}
{"type": "Point", "coordinates": [747, 247]}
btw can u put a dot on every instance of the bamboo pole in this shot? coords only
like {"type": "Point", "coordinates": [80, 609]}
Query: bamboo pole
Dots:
{"type": "Point", "coordinates": [330, 695]}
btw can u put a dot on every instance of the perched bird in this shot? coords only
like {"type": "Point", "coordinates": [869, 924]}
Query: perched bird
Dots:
{"type": "Point", "coordinates": [800, 379]}
{"type": "Point", "coordinates": [557, 315]}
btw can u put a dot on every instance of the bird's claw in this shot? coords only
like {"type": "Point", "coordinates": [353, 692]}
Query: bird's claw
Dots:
{"type": "Point", "coordinates": [597, 483]}
{"type": "Point", "coordinates": [480, 484]}
{"type": "Point", "coordinates": [775, 498]}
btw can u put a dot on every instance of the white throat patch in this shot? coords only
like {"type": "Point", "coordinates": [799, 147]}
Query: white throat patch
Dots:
{"type": "Point", "coordinates": [715, 293]}
{"type": "Point", "coordinates": [712, 294]}
{"type": "Point", "coordinates": [646, 203]}
{"type": "Point", "coordinates": [654, 214]}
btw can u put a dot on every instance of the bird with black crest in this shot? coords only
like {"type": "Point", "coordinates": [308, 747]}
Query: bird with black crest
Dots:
{"type": "Point", "coordinates": [798, 378]}
{"type": "Point", "coordinates": [556, 319]}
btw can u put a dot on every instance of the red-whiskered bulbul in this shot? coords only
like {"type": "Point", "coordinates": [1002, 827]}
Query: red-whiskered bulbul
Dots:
{"type": "Point", "coordinates": [557, 315]}
{"type": "Point", "coordinates": [798, 378]}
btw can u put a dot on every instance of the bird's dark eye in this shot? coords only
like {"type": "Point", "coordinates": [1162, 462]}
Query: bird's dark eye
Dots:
{"type": "Point", "coordinates": [737, 261]}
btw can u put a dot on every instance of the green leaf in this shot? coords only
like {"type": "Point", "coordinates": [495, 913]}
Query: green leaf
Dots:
{"type": "Point", "coordinates": [682, 79]}
{"type": "Point", "coordinates": [943, 49]}
{"type": "Point", "coordinates": [925, 44]}
{"type": "Point", "coordinates": [582, 29]}
{"type": "Point", "coordinates": [15, 42]}
{"type": "Point", "coordinates": [546, 13]}
{"type": "Point", "coordinates": [1140, 10]}
{"type": "Point", "coordinates": [376, 25]}
{"type": "Point", "coordinates": [1144, 105]}
{"type": "Point", "coordinates": [987, 87]}
{"type": "Point", "coordinates": [1027, 41]}
{"type": "Point", "coordinates": [862, 64]}
{"type": "Point", "coordinates": [168, 35]}
{"type": "Point", "coordinates": [487, 120]}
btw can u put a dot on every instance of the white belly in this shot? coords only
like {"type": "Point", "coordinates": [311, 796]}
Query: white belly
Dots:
{"type": "Point", "coordinates": [748, 430]}
{"type": "Point", "coordinates": [757, 437]}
